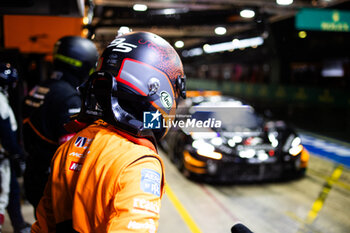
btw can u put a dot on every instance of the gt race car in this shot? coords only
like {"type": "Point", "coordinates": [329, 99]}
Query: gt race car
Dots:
{"type": "Point", "coordinates": [219, 138]}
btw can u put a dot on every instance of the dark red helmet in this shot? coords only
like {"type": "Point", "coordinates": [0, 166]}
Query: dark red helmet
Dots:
{"type": "Point", "coordinates": [138, 73]}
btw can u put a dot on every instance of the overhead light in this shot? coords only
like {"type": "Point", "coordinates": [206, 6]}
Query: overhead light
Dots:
{"type": "Point", "coordinates": [123, 30]}
{"type": "Point", "coordinates": [192, 52]}
{"type": "Point", "coordinates": [226, 46]}
{"type": "Point", "coordinates": [139, 7]}
{"type": "Point", "coordinates": [220, 30]}
{"type": "Point", "coordinates": [169, 11]}
{"type": "Point", "coordinates": [235, 42]}
{"type": "Point", "coordinates": [247, 13]}
{"type": "Point", "coordinates": [284, 2]}
{"type": "Point", "coordinates": [179, 44]}
{"type": "Point", "coordinates": [206, 47]}
{"type": "Point", "coordinates": [85, 20]}
{"type": "Point", "coordinates": [231, 45]}
{"type": "Point", "coordinates": [302, 34]}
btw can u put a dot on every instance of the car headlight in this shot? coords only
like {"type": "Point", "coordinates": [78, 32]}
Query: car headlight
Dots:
{"type": "Point", "coordinates": [206, 150]}
{"type": "Point", "coordinates": [273, 139]}
{"type": "Point", "coordinates": [295, 147]}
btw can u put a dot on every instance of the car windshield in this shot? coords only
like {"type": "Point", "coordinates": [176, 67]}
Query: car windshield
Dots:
{"type": "Point", "coordinates": [233, 119]}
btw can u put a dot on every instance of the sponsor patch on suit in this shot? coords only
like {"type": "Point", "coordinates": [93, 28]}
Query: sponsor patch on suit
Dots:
{"type": "Point", "coordinates": [150, 181]}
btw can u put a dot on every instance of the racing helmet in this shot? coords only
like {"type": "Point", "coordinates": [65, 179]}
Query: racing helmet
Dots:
{"type": "Point", "coordinates": [139, 78]}
{"type": "Point", "coordinates": [75, 55]}
{"type": "Point", "coordinates": [8, 76]}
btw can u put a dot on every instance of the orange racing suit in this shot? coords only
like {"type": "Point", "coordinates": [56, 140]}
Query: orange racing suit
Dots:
{"type": "Point", "coordinates": [102, 182]}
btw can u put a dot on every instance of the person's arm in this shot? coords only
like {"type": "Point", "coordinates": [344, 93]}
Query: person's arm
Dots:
{"type": "Point", "coordinates": [138, 199]}
{"type": "Point", "coordinates": [9, 137]}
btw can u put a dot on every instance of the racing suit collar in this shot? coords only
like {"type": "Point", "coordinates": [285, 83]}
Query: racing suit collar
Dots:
{"type": "Point", "coordinates": [140, 141]}
{"type": "Point", "coordinates": [75, 126]}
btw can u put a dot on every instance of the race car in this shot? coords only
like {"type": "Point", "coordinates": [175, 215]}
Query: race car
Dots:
{"type": "Point", "coordinates": [220, 138]}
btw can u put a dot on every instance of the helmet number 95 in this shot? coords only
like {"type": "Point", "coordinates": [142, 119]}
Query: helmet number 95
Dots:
{"type": "Point", "coordinates": [120, 46]}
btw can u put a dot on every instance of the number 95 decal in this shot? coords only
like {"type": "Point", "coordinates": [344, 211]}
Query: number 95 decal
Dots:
{"type": "Point", "coordinates": [120, 46]}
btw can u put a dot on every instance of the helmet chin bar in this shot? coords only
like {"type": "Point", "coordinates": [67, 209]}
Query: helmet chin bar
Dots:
{"type": "Point", "coordinates": [100, 100]}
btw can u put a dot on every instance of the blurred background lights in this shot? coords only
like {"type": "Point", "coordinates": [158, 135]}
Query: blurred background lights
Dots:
{"type": "Point", "coordinates": [169, 11]}
{"type": "Point", "coordinates": [139, 7]}
{"type": "Point", "coordinates": [85, 32]}
{"type": "Point", "coordinates": [235, 41]}
{"type": "Point", "coordinates": [302, 34]}
{"type": "Point", "coordinates": [284, 2]}
{"type": "Point", "coordinates": [217, 141]}
{"type": "Point", "coordinates": [85, 20]}
{"type": "Point", "coordinates": [225, 46]}
{"type": "Point", "coordinates": [220, 30]}
{"type": "Point", "coordinates": [179, 44]}
{"type": "Point", "coordinates": [192, 52]}
{"type": "Point", "coordinates": [247, 13]}
{"type": "Point", "coordinates": [123, 29]}
{"type": "Point", "coordinates": [206, 47]}
{"type": "Point", "coordinates": [235, 44]}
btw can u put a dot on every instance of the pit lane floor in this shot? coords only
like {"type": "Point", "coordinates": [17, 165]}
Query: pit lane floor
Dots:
{"type": "Point", "coordinates": [319, 202]}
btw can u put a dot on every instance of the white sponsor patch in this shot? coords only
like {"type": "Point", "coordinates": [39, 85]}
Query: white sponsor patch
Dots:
{"type": "Point", "coordinates": [150, 225]}
{"type": "Point", "coordinates": [74, 166]}
{"type": "Point", "coordinates": [166, 100]}
{"type": "Point", "coordinates": [144, 206]}
{"type": "Point", "coordinates": [150, 181]}
{"type": "Point", "coordinates": [78, 155]}
{"type": "Point", "coordinates": [82, 142]}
